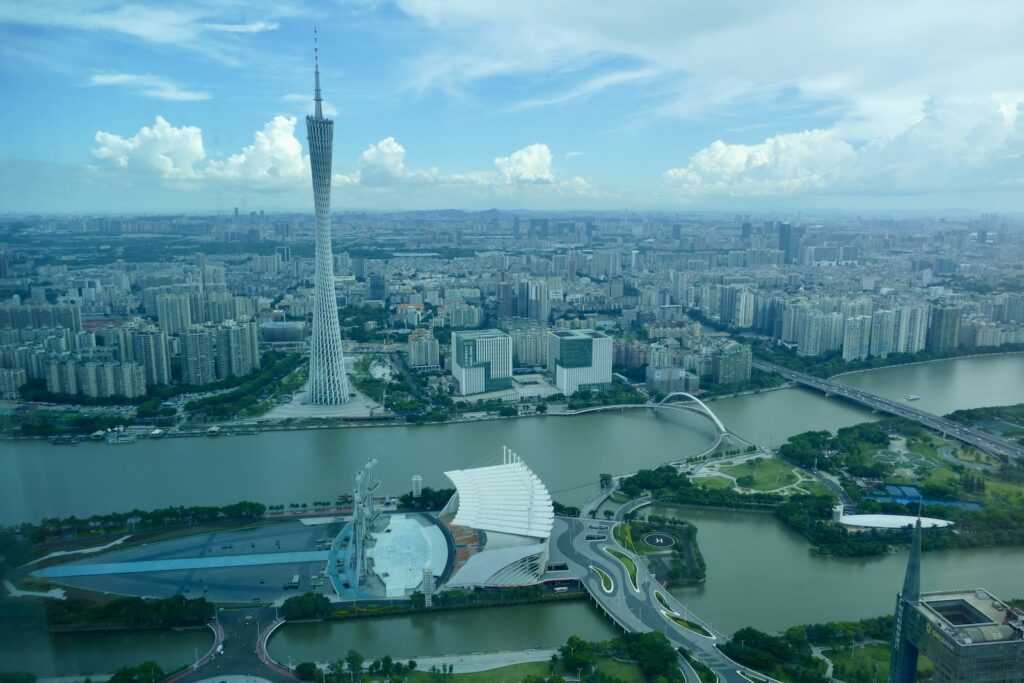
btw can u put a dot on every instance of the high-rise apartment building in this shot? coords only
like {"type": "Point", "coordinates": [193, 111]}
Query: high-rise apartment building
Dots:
{"type": "Point", "coordinates": [198, 357]}
{"type": "Point", "coordinates": [743, 309]}
{"type": "Point", "coordinates": [857, 338]}
{"type": "Point", "coordinates": [883, 333]}
{"type": "Point", "coordinates": [149, 348]}
{"type": "Point", "coordinates": [328, 384]}
{"type": "Point", "coordinates": [579, 359]}
{"type": "Point", "coordinates": [732, 364]}
{"type": "Point", "coordinates": [11, 379]}
{"type": "Point", "coordinates": [41, 315]}
{"type": "Point", "coordinates": [944, 330]}
{"type": "Point", "coordinates": [481, 361]}
{"type": "Point", "coordinates": [424, 350]}
{"type": "Point", "coordinates": [174, 312]}
{"type": "Point", "coordinates": [238, 350]}
{"type": "Point", "coordinates": [911, 328]}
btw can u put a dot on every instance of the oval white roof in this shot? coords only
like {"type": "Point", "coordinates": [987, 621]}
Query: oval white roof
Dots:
{"type": "Point", "coordinates": [891, 521]}
{"type": "Point", "coordinates": [505, 498]}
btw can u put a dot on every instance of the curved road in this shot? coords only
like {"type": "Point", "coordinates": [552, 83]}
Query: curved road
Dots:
{"type": "Point", "coordinates": [637, 609]}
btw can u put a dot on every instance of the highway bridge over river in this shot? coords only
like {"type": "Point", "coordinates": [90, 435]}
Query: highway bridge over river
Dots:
{"type": "Point", "coordinates": [989, 443]}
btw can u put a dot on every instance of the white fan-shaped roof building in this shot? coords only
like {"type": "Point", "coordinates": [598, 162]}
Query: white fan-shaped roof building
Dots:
{"type": "Point", "coordinates": [512, 508]}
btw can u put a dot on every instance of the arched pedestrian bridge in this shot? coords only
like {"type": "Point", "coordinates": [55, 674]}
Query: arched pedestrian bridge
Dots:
{"type": "Point", "coordinates": [693, 405]}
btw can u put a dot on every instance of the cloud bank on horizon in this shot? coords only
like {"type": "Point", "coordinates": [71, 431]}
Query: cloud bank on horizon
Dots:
{"type": "Point", "coordinates": [554, 105]}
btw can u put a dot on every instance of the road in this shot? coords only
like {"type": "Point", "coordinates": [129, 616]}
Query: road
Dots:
{"type": "Point", "coordinates": [989, 443]}
{"type": "Point", "coordinates": [484, 661]}
{"type": "Point", "coordinates": [244, 633]}
{"type": "Point", "coordinates": [636, 609]}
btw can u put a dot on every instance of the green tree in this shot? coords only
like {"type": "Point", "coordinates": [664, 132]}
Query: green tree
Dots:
{"type": "Point", "coordinates": [148, 671]}
{"type": "Point", "coordinates": [306, 671]}
{"type": "Point", "coordinates": [577, 655]}
{"type": "Point", "coordinates": [17, 677]}
{"type": "Point", "coordinates": [354, 662]}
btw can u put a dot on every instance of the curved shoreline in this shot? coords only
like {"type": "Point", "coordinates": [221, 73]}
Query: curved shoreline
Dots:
{"type": "Point", "coordinates": [922, 362]}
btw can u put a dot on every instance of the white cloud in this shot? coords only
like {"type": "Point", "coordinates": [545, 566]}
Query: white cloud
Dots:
{"type": "Point", "coordinates": [783, 164]}
{"type": "Point", "coordinates": [168, 152]}
{"type": "Point", "coordinates": [274, 157]}
{"type": "Point", "coordinates": [956, 146]}
{"type": "Point", "coordinates": [184, 24]}
{"type": "Point", "coordinates": [712, 59]}
{"type": "Point", "coordinates": [275, 160]}
{"type": "Point", "coordinates": [252, 27]}
{"type": "Point", "coordinates": [148, 85]}
{"type": "Point", "coordinates": [383, 164]}
{"type": "Point", "coordinates": [531, 164]}
{"type": "Point", "coordinates": [588, 88]}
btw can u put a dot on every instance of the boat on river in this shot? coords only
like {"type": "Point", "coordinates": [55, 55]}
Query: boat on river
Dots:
{"type": "Point", "coordinates": [912, 397]}
{"type": "Point", "coordinates": [120, 437]}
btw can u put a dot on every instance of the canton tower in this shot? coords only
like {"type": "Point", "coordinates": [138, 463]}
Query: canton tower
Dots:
{"type": "Point", "coordinates": [328, 384]}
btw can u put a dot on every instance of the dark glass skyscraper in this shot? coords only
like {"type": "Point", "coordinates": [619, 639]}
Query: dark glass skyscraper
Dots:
{"type": "Point", "coordinates": [969, 635]}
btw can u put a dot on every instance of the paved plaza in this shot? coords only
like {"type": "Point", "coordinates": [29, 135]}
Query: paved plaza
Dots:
{"type": "Point", "coordinates": [248, 566]}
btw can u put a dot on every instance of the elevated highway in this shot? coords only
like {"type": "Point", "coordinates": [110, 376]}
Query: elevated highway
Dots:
{"type": "Point", "coordinates": [993, 445]}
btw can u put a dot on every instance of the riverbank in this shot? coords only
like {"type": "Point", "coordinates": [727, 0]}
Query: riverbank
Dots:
{"type": "Point", "coordinates": [925, 362]}
{"type": "Point", "coordinates": [258, 425]}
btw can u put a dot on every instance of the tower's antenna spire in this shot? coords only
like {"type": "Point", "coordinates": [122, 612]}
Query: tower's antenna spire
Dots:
{"type": "Point", "coordinates": [316, 61]}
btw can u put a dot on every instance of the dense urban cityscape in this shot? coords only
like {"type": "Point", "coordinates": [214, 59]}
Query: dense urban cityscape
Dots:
{"type": "Point", "coordinates": [122, 309]}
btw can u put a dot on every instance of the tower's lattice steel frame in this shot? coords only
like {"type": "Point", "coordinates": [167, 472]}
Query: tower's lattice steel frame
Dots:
{"type": "Point", "coordinates": [328, 384]}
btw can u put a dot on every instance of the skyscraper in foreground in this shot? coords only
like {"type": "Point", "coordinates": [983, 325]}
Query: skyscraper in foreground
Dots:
{"type": "Point", "coordinates": [969, 635]}
{"type": "Point", "coordinates": [328, 384]}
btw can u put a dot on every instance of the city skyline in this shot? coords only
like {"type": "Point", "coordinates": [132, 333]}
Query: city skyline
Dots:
{"type": "Point", "coordinates": [145, 108]}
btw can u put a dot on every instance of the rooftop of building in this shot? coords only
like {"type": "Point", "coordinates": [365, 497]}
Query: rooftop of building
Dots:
{"type": "Point", "coordinates": [580, 334]}
{"type": "Point", "coordinates": [891, 521]}
{"type": "Point", "coordinates": [972, 616]}
{"type": "Point", "coordinates": [506, 498]}
{"type": "Point", "coordinates": [479, 334]}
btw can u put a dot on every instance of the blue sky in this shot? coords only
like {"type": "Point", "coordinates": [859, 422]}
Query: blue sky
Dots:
{"type": "Point", "coordinates": [195, 106]}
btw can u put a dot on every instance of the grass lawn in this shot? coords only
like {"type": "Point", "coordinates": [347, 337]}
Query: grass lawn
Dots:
{"type": "Point", "coordinates": [641, 547]}
{"type": "Point", "coordinates": [971, 455]}
{"type": "Point", "coordinates": [630, 673]}
{"type": "Point", "coordinates": [689, 625]}
{"type": "Point", "coordinates": [815, 488]}
{"type": "Point", "coordinates": [626, 561]}
{"type": "Point", "coordinates": [606, 580]}
{"type": "Point", "coordinates": [622, 671]}
{"type": "Point", "coordinates": [623, 536]}
{"type": "Point", "coordinates": [516, 672]}
{"type": "Point", "coordinates": [768, 473]}
{"type": "Point", "coordinates": [713, 482]}
{"type": "Point", "coordinates": [939, 476]}
{"type": "Point", "coordinates": [863, 663]}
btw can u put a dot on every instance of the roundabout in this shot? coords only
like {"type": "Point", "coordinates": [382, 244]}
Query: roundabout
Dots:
{"type": "Point", "coordinates": [659, 540]}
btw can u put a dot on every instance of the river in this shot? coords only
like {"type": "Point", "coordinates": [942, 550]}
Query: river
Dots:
{"type": "Point", "coordinates": [760, 573]}
{"type": "Point", "coordinates": [91, 653]}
